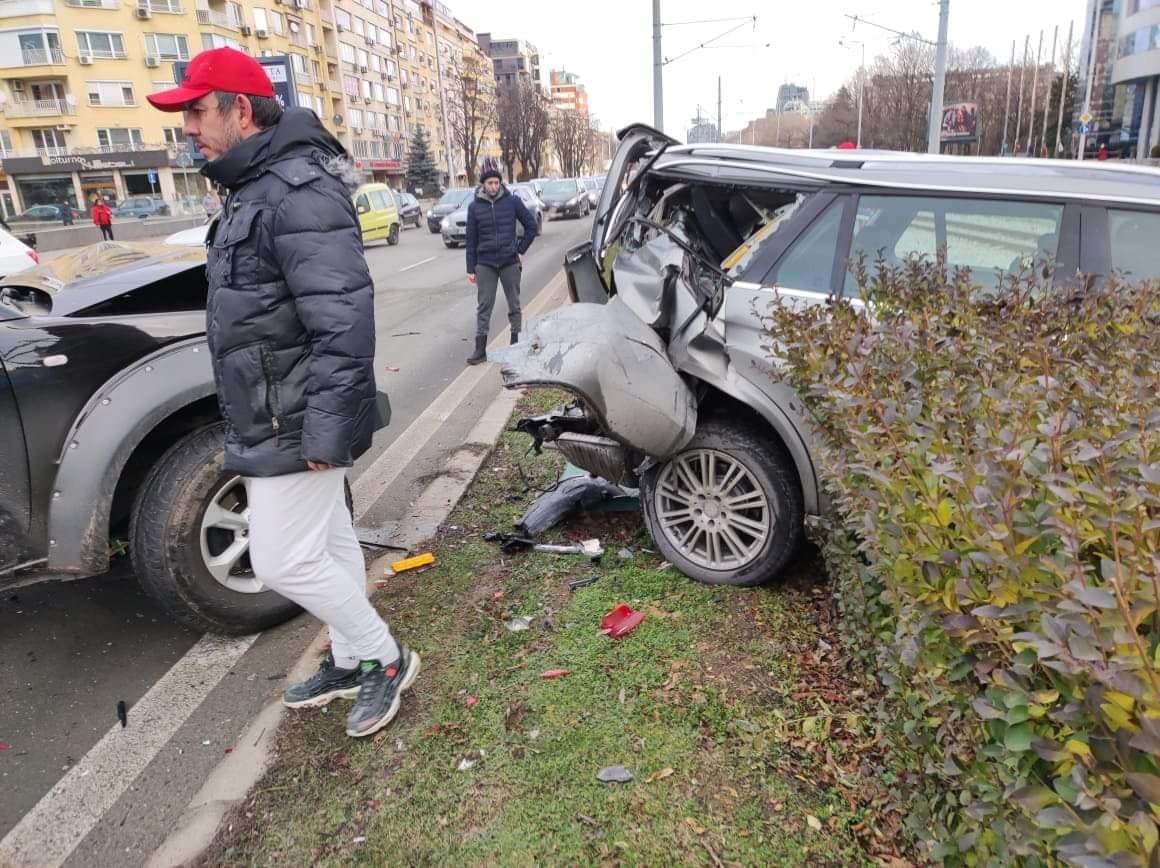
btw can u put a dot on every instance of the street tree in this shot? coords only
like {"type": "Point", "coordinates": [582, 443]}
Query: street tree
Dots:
{"type": "Point", "coordinates": [571, 139]}
{"type": "Point", "coordinates": [524, 126]}
{"type": "Point", "coordinates": [471, 112]}
{"type": "Point", "coordinates": [422, 173]}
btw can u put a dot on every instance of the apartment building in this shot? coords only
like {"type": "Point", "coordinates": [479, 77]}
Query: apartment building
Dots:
{"type": "Point", "coordinates": [513, 59]}
{"type": "Point", "coordinates": [568, 94]}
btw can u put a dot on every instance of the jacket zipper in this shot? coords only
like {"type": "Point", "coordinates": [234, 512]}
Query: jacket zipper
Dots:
{"type": "Point", "coordinates": [273, 400]}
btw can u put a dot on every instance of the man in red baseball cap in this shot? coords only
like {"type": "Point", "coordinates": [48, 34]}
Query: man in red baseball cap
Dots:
{"type": "Point", "coordinates": [290, 322]}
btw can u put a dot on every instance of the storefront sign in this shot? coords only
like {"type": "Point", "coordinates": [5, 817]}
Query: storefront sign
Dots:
{"type": "Point", "coordinates": [393, 166]}
{"type": "Point", "coordinates": [86, 162]}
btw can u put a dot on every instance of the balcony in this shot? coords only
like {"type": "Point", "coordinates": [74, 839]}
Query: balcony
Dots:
{"type": "Point", "coordinates": [39, 108]}
{"type": "Point", "coordinates": [41, 56]}
{"type": "Point", "coordinates": [217, 19]}
{"type": "Point", "coordinates": [16, 8]}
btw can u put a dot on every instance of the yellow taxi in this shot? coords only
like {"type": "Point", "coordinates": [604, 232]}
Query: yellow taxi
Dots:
{"type": "Point", "coordinates": [378, 216]}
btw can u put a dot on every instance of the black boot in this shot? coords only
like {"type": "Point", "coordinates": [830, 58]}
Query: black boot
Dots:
{"type": "Point", "coordinates": [515, 337]}
{"type": "Point", "coordinates": [480, 351]}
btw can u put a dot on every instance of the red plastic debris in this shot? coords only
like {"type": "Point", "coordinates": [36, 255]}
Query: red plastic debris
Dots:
{"type": "Point", "coordinates": [471, 702]}
{"type": "Point", "coordinates": [3, 746]}
{"type": "Point", "coordinates": [229, 750]}
{"type": "Point", "coordinates": [392, 369]}
{"type": "Point", "coordinates": [621, 621]}
{"type": "Point", "coordinates": [498, 595]}
{"type": "Point", "coordinates": [554, 673]}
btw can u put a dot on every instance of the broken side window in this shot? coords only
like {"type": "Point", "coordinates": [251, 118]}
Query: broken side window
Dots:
{"type": "Point", "coordinates": [772, 218]}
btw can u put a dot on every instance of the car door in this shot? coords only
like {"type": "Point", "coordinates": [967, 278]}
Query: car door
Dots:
{"type": "Point", "coordinates": [639, 146]}
{"type": "Point", "coordinates": [368, 220]}
{"type": "Point", "coordinates": [14, 482]}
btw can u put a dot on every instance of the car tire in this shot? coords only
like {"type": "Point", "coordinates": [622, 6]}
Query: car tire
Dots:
{"type": "Point", "coordinates": [166, 542]}
{"type": "Point", "coordinates": [418, 219]}
{"type": "Point", "coordinates": [393, 235]}
{"type": "Point", "coordinates": [432, 231]}
{"type": "Point", "coordinates": [767, 480]}
{"type": "Point", "coordinates": [450, 245]}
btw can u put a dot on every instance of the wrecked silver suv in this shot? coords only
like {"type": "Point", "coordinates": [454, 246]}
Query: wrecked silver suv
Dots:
{"type": "Point", "coordinates": [664, 349]}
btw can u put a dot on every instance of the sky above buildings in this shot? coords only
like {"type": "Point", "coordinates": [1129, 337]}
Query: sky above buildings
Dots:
{"type": "Point", "coordinates": [609, 44]}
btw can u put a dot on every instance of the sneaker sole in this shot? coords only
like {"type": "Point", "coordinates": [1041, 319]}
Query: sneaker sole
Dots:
{"type": "Point", "coordinates": [412, 674]}
{"type": "Point", "coordinates": [323, 699]}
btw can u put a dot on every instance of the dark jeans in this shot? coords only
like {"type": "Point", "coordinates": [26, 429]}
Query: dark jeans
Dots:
{"type": "Point", "coordinates": [107, 233]}
{"type": "Point", "coordinates": [486, 279]}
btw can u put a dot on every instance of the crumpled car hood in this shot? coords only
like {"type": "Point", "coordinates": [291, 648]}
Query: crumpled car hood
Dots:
{"type": "Point", "coordinates": [616, 364]}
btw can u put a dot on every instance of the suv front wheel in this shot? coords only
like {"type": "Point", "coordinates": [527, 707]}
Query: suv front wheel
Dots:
{"type": "Point", "coordinates": [189, 541]}
{"type": "Point", "coordinates": [727, 509]}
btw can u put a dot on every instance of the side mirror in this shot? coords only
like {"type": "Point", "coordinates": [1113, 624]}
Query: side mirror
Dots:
{"type": "Point", "coordinates": [363, 209]}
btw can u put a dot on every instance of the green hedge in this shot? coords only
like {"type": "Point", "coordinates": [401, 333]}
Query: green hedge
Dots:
{"type": "Point", "coordinates": [995, 550]}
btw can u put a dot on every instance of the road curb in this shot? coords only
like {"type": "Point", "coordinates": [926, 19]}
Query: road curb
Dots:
{"type": "Point", "coordinates": [233, 777]}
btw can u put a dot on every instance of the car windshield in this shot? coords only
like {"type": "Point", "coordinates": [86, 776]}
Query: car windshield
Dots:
{"type": "Point", "coordinates": [456, 197]}
{"type": "Point", "coordinates": [560, 189]}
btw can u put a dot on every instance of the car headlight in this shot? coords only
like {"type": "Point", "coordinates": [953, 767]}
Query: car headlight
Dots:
{"type": "Point", "coordinates": [573, 201]}
{"type": "Point", "coordinates": [446, 224]}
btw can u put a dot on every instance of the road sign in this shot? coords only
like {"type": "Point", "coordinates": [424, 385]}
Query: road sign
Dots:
{"type": "Point", "coordinates": [1085, 128]}
{"type": "Point", "coordinates": [1085, 118]}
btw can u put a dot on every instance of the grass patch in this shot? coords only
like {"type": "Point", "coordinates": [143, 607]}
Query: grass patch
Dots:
{"type": "Point", "coordinates": [728, 705]}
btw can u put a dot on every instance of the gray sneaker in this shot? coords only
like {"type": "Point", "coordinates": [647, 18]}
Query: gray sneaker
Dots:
{"type": "Point", "coordinates": [327, 684]}
{"type": "Point", "coordinates": [380, 692]}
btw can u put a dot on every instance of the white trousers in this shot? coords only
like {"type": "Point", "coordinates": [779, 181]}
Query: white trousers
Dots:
{"type": "Point", "coordinates": [303, 545]}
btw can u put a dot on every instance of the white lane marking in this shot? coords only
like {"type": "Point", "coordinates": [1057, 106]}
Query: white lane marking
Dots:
{"type": "Point", "coordinates": [417, 264]}
{"type": "Point", "coordinates": [48, 834]}
{"type": "Point", "coordinates": [385, 469]}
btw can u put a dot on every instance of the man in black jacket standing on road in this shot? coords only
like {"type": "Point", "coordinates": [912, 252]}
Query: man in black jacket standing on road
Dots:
{"type": "Point", "coordinates": [495, 253]}
{"type": "Point", "coordinates": [290, 326]}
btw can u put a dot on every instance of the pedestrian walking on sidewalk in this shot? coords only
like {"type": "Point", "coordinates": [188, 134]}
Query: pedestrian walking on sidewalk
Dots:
{"type": "Point", "coordinates": [103, 220]}
{"type": "Point", "coordinates": [290, 324]}
{"type": "Point", "coordinates": [495, 253]}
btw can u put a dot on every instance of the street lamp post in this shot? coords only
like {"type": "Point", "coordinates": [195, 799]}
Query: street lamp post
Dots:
{"type": "Point", "coordinates": [861, 81]}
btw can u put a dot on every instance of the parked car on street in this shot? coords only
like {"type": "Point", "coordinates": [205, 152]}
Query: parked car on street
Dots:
{"type": "Point", "coordinates": [594, 185]}
{"type": "Point", "coordinates": [566, 197]}
{"type": "Point", "coordinates": [45, 214]}
{"type": "Point", "coordinates": [141, 207]}
{"type": "Point", "coordinates": [112, 431]}
{"type": "Point", "coordinates": [664, 348]}
{"type": "Point", "coordinates": [410, 212]}
{"type": "Point", "coordinates": [454, 226]}
{"type": "Point", "coordinates": [15, 255]}
{"type": "Point", "coordinates": [450, 201]}
{"type": "Point", "coordinates": [378, 216]}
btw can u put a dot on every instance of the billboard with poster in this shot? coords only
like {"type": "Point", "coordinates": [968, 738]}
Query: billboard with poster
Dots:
{"type": "Point", "coordinates": [960, 123]}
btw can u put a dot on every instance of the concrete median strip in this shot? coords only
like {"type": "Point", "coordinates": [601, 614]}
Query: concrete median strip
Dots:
{"type": "Point", "coordinates": [237, 773]}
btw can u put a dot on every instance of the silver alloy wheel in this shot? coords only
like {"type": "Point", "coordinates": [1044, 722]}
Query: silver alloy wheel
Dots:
{"type": "Point", "coordinates": [225, 538]}
{"type": "Point", "coordinates": [712, 509]}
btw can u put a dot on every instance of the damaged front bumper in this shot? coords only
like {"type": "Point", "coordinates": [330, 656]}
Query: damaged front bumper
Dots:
{"type": "Point", "coordinates": [633, 403]}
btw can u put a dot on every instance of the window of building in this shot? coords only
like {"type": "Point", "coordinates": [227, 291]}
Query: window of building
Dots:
{"type": "Point", "coordinates": [366, 88]}
{"type": "Point", "coordinates": [382, 8]}
{"type": "Point", "coordinates": [99, 44]}
{"type": "Point", "coordinates": [261, 20]}
{"type": "Point", "coordinates": [234, 13]}
{"type": "Point", "coordinates": [167, 46]}
{"type": "Point", "coordinates": [316, 68]}
{"type": "Point", "coordinates": [347, 53]}
{"type": "Point", "coordinates": [213, 40]}
{"type": "Point", "coordinates": [5, 143]}
{"type": "Point", "coordinates": [392, 94]}
{"type": "Point", "coordinates": [304, 99]}
{"type": "Point", "coordinates": [342, 18]}
{"type": "Point", "coordinates": [391, 69]}
{"type": "Point", "coordinates": [48, 141]}
{"type": "Point", "coordinates": [318, 109]}
{"type": "Point", "coordinates": [376, 64]}
{"type": "Point", "coordinates": [169, 6]}
{"type": "Point", "coordinates": [377, 89]}
{"type": "Point", "coordinates": [301, 70]}
{"type": "Point", "coordinates": [173, 136]}
{"type": "Point", "coordinates": [311, 34]}
{"type": "Point", "coordinates": [384, 37]}
{"type": "Point", "coordinates": [119, 139]}
{"type": "Point", "coordinates": [363, 58]}
{"type": "Point", "coordinates": [356, 118]}
{"type": "Point", "coordinates": [110, 93]}
{"type": "Point", "coordinates": [278, 23]}
{"type": "Point", "coordinates": [350, 85]}
{"type": "Point", "coordinates": [360, 147]}
{"type": "Point", "coordinates": [358, 26]}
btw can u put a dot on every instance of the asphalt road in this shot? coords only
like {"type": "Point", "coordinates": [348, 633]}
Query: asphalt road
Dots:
{"type": "Point", "coordinates": [70, 651]}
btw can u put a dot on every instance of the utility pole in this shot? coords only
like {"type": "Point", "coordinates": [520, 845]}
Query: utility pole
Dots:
{"type": "Point", "coordinates": [940, 78]}
{"type": "Point", "coordinates": [814, 96]}
{"type": "Point", "coordinates": [1047, 96]}
{"type": "Point", "coordinates": [1063, 89]}
{"type": "Point", "coordinates": [718, 108]}
{"type": "Point", "coordinates": [862, 94]}
{"type": "Point", "coordinates": [1034, 86]}
{"type": "Point", "coordinates": [1007, 107]}
{"type": "Point", "coordinates": [1093, 40]}
{"type": "Point", "coordinates": [658, 72]}
{"type": "Point", "coordinates": [1022, 73]}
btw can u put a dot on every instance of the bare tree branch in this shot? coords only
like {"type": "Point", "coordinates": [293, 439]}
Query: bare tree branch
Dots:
{"type": "Point", "coordinates": [471, 113]}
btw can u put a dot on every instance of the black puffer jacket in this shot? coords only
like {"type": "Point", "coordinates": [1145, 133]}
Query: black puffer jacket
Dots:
{"type": "Point", "coordinates": [290, 316]}
{"type": "Point", "coordinates": [491, 229]}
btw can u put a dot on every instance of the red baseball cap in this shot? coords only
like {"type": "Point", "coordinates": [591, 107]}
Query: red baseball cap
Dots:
{"type": "Point", "coordinates": [225, 69]}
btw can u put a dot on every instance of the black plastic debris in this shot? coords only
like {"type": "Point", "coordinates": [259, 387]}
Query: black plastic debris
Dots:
{"type": "Point", "coordinates": [122, 713]}
{"type": "Point", "coordinates": [571, 495]}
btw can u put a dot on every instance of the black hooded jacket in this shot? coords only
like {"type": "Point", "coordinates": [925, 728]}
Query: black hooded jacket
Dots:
{"type": "Point", "coordinates": [290, 315]}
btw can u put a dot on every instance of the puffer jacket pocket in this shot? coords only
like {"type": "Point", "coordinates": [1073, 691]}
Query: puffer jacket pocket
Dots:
{"type": "Point", "coordinates": [249, 393]}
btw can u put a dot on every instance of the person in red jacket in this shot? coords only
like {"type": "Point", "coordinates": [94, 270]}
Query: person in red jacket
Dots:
{"type": "Point", "coordinates": [103, 220]}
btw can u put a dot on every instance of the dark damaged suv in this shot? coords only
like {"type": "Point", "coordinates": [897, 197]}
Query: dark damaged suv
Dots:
{"type": "Point", "coordinates": [110, 431]}
{"type": "Point", "coordinates": [664, 347]}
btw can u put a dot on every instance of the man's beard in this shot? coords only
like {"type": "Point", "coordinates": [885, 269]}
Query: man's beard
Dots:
{"type": "Point", "coordinates": [233, 136]}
